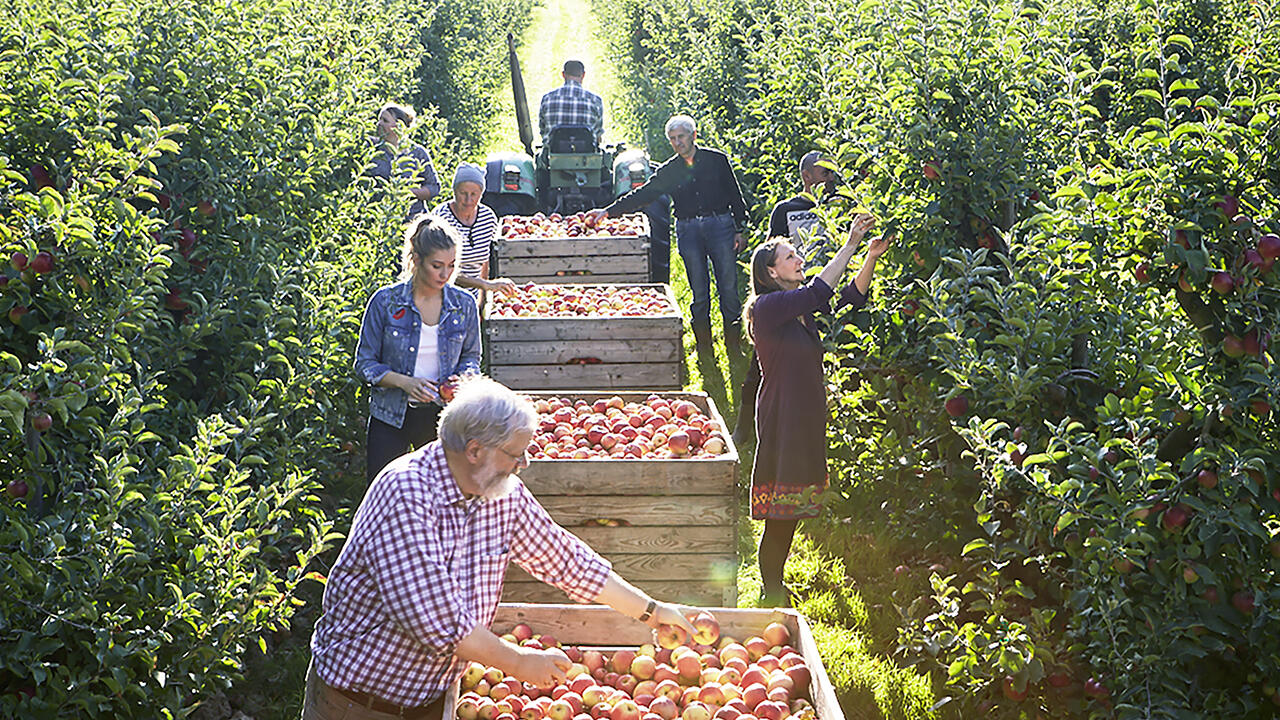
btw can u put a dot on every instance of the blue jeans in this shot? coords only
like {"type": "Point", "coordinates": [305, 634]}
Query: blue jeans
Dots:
{"type": "Point", "coordinates": [700, 240]}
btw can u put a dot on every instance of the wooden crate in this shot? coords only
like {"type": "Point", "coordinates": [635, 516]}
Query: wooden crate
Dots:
{"type": "Point", "coordinates": [681, 539]}
{"type": "Point", "coordinates": [587, 353]}
{"type": "Point", "coordinates": [597, 626]}
{"type": "Point", "coordinates": [598, 260]}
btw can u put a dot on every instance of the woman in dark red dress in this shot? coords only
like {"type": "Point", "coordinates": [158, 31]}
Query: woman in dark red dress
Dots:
{"type": "Point", "coordinates": [790, 468]}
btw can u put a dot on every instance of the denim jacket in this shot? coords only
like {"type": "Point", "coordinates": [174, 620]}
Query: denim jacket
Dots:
{"type": "Point", "coordinates": [389, 342]}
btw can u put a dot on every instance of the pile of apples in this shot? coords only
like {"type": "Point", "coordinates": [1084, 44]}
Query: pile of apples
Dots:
{"type": "Point", "coordinates": [594, 301]}
{"type": "Point", "coordinates": [706, 677]}
{"type": "Point", "coordinates": [609, 428]}
{"type": "Point", "coordinates": [555, 225]}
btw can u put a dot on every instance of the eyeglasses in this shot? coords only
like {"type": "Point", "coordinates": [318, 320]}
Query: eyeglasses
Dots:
{"type": "Point", "coordinates": [523, 453]}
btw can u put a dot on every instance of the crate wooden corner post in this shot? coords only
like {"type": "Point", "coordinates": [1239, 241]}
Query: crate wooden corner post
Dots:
{"type": "Point", "coordinates": [573, 353]}
{"type": "Point", "coordinates": [595, 625]}
{"type": "Point", "coordinates": [669, 526]}
{"type": "Point", "coordinates": [616, 259]}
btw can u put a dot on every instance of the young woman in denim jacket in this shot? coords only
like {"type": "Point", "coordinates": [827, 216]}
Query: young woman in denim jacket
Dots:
{"type": "Point", "coordinates": [415, 334]}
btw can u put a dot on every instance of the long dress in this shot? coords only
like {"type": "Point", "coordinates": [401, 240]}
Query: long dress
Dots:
{"type": "Point", "coordinates": [790, 469]}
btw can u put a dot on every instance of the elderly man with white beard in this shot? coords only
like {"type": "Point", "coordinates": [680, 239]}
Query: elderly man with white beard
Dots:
{"type": "Point", "coordinates": [409, 602]}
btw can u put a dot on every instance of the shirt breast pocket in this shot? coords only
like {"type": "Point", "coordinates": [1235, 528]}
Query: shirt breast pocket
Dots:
{"type": "Point", "coordinates": [491, 569]}
{"type": "Point", "coordinates": [397, 338]}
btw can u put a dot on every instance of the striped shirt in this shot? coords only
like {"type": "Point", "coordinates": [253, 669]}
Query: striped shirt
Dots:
{"type": "Point", "coordinates": [476, 240]}
{"type": "Point", "coordinates": [422, 567]}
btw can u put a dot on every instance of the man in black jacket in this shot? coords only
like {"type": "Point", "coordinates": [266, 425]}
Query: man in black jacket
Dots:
{"type": "Point", "coordinates": [710, 216]}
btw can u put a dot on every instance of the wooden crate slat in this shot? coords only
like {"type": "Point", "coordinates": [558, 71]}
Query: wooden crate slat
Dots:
{"type": "Point", "coordinates": [536, 247]}
{"type": "Point", "coordinates": [614, 264]}
{"type": "Point", "coordinates": [602, 279]}
{"type": "Point", "coordinates": [552, 352]}
{"type": "Point", "coordinates": [676, 591]}
{"type": "Point", "coordinates": [572, 511]}
{"type": "Point", "coordinates": [602, 375]}
{"type": "Point", "coordinates": [720, 569]}
{"type": "Point", "coordinates": [587, 330]}
{"type": "Point", "coordinates": [654, 540]}
{"type": "Point", "coordinates": [632, 477]}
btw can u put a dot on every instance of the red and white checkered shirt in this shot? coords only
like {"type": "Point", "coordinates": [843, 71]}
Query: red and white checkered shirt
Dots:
{"type": "Point", "coordinates": [423, 567]}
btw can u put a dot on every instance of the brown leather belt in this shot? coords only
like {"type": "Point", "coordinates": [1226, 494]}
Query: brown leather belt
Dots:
{"type": "Point", "coordinates": [365, 700]}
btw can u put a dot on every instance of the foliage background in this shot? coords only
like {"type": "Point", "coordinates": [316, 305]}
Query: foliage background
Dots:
{"type": "Point", "coordinates": [194, 170]}
{"type": "Point", "coordinates": [1097, 164]}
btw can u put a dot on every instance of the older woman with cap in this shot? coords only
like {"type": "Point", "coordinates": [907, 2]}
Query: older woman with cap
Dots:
{"type": "Point", "coordinates": [477, 224]}
{"type": "Point", "coordinates": [407, 160]}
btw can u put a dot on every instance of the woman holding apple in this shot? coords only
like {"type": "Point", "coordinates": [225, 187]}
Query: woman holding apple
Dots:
{"type": "Point", "coordinates": [790, 470]}
{"type": "Point", "coordinates": [477, 224]}
{"type": "Point", "coordinates": [415, 333]}
{"type": "Point", "coordinates": [411, 161]}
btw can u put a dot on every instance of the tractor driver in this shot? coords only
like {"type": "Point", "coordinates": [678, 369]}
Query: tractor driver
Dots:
{"type": "Point", "coordinates": [571, 105]}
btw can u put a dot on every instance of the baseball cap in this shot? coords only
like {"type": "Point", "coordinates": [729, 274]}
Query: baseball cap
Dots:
{"type": "Point", "coordinates": [814, 158]}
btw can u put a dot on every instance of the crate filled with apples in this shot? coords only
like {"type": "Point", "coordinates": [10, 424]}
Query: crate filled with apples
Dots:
{"type": "Point", "coordinates": [656, 427]}
{"type": "Point", "coordinates": [585, 336]}
{"type": "Point", "coordinates": [566, 249]}
{"type": "Point", "coordinates": [647, 479]}
{"type": "Point", "coordinates": [763, 666]}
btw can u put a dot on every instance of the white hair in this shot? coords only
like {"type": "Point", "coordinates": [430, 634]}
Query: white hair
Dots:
{"type": "Point", "coordinates": [682, 122]}
{"type": "Point", "coordinates": [486, 411]}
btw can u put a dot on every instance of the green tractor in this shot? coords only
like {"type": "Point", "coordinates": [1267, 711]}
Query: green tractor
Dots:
{"type": "Point", "coordinates": [570, 173]}
{"type": "Point", "coordinates": [566, 175]}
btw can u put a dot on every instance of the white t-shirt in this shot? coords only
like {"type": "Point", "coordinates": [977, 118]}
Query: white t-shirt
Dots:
{"type": "Point", "coordinates": [427, 365]}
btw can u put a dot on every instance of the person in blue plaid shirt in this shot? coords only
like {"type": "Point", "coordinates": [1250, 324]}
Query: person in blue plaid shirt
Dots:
{"type": "Point", "coordinates": [572, 105]}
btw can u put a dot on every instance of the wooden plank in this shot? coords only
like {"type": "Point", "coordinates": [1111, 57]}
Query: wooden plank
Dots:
{"type": "Point", "coordinates": [566, 264]}
{"type": "Point", "coordinates": [720, 569]}
{"type": "Point", "coordinates": [626, 279]}
{"type": "Point", "coordinates": [572, 511]}
{"type": "Point", "coordinates": [514, 248]}
{"type": "Point", "coordinates": [603, 375]}
{"type": "Point", "coordinates": [662, 327]}
{"type": "Point", "coordinates": [600, 625]}
{"type": "Point", "coordinates": [676, 591]}
{"type": "Point", "coordinates": [668, 540]}
{"type": "Point", "coordinates": [558, 352]}
{"type": "Point", "coordinates": [635, 477]}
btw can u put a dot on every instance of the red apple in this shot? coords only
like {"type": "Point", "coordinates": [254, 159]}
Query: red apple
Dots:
{"type": "Point", "coordinates": [930, 170]}
{"type": "Point", "coordinates": [777, 634]}
{"type": "Point", "coordinates": [1012, 692]}
{"type": "Point", "coordinates": [957, 406]}
{"type": "Point", "coordinates": [1242, 600]}
{"type": "Point", "coordinates": [41, 421]}
{"type": "Point", "coordinates": [17, 489]}
{"type": "Point", "coordinates": [42, 263]}
{"type": "Point", "coordinates": [625, 710]}
{"type": "Point", "coordinates": [1222, 283]}
{"type": "Point", "coordinates": [706, 626]}
{"type": "Point", "coordinates": [18, 261]}
{"type": "Point", "coordinates": [1269, 246]}
{"type": "Point", "coordinates": [672, 636]}
{"type": "Point", "coordinates": [664, 707]}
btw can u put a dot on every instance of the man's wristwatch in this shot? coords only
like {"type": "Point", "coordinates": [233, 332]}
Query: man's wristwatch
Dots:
{"type": "Point", "coordinates": [648, 610]}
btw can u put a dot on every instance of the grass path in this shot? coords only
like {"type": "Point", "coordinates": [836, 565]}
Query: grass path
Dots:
{"type": "Point", "coordinates": [560, 30]}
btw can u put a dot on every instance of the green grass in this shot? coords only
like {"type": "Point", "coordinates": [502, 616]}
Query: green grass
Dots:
{"type": "Point", "coordinates": [560, 30]}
